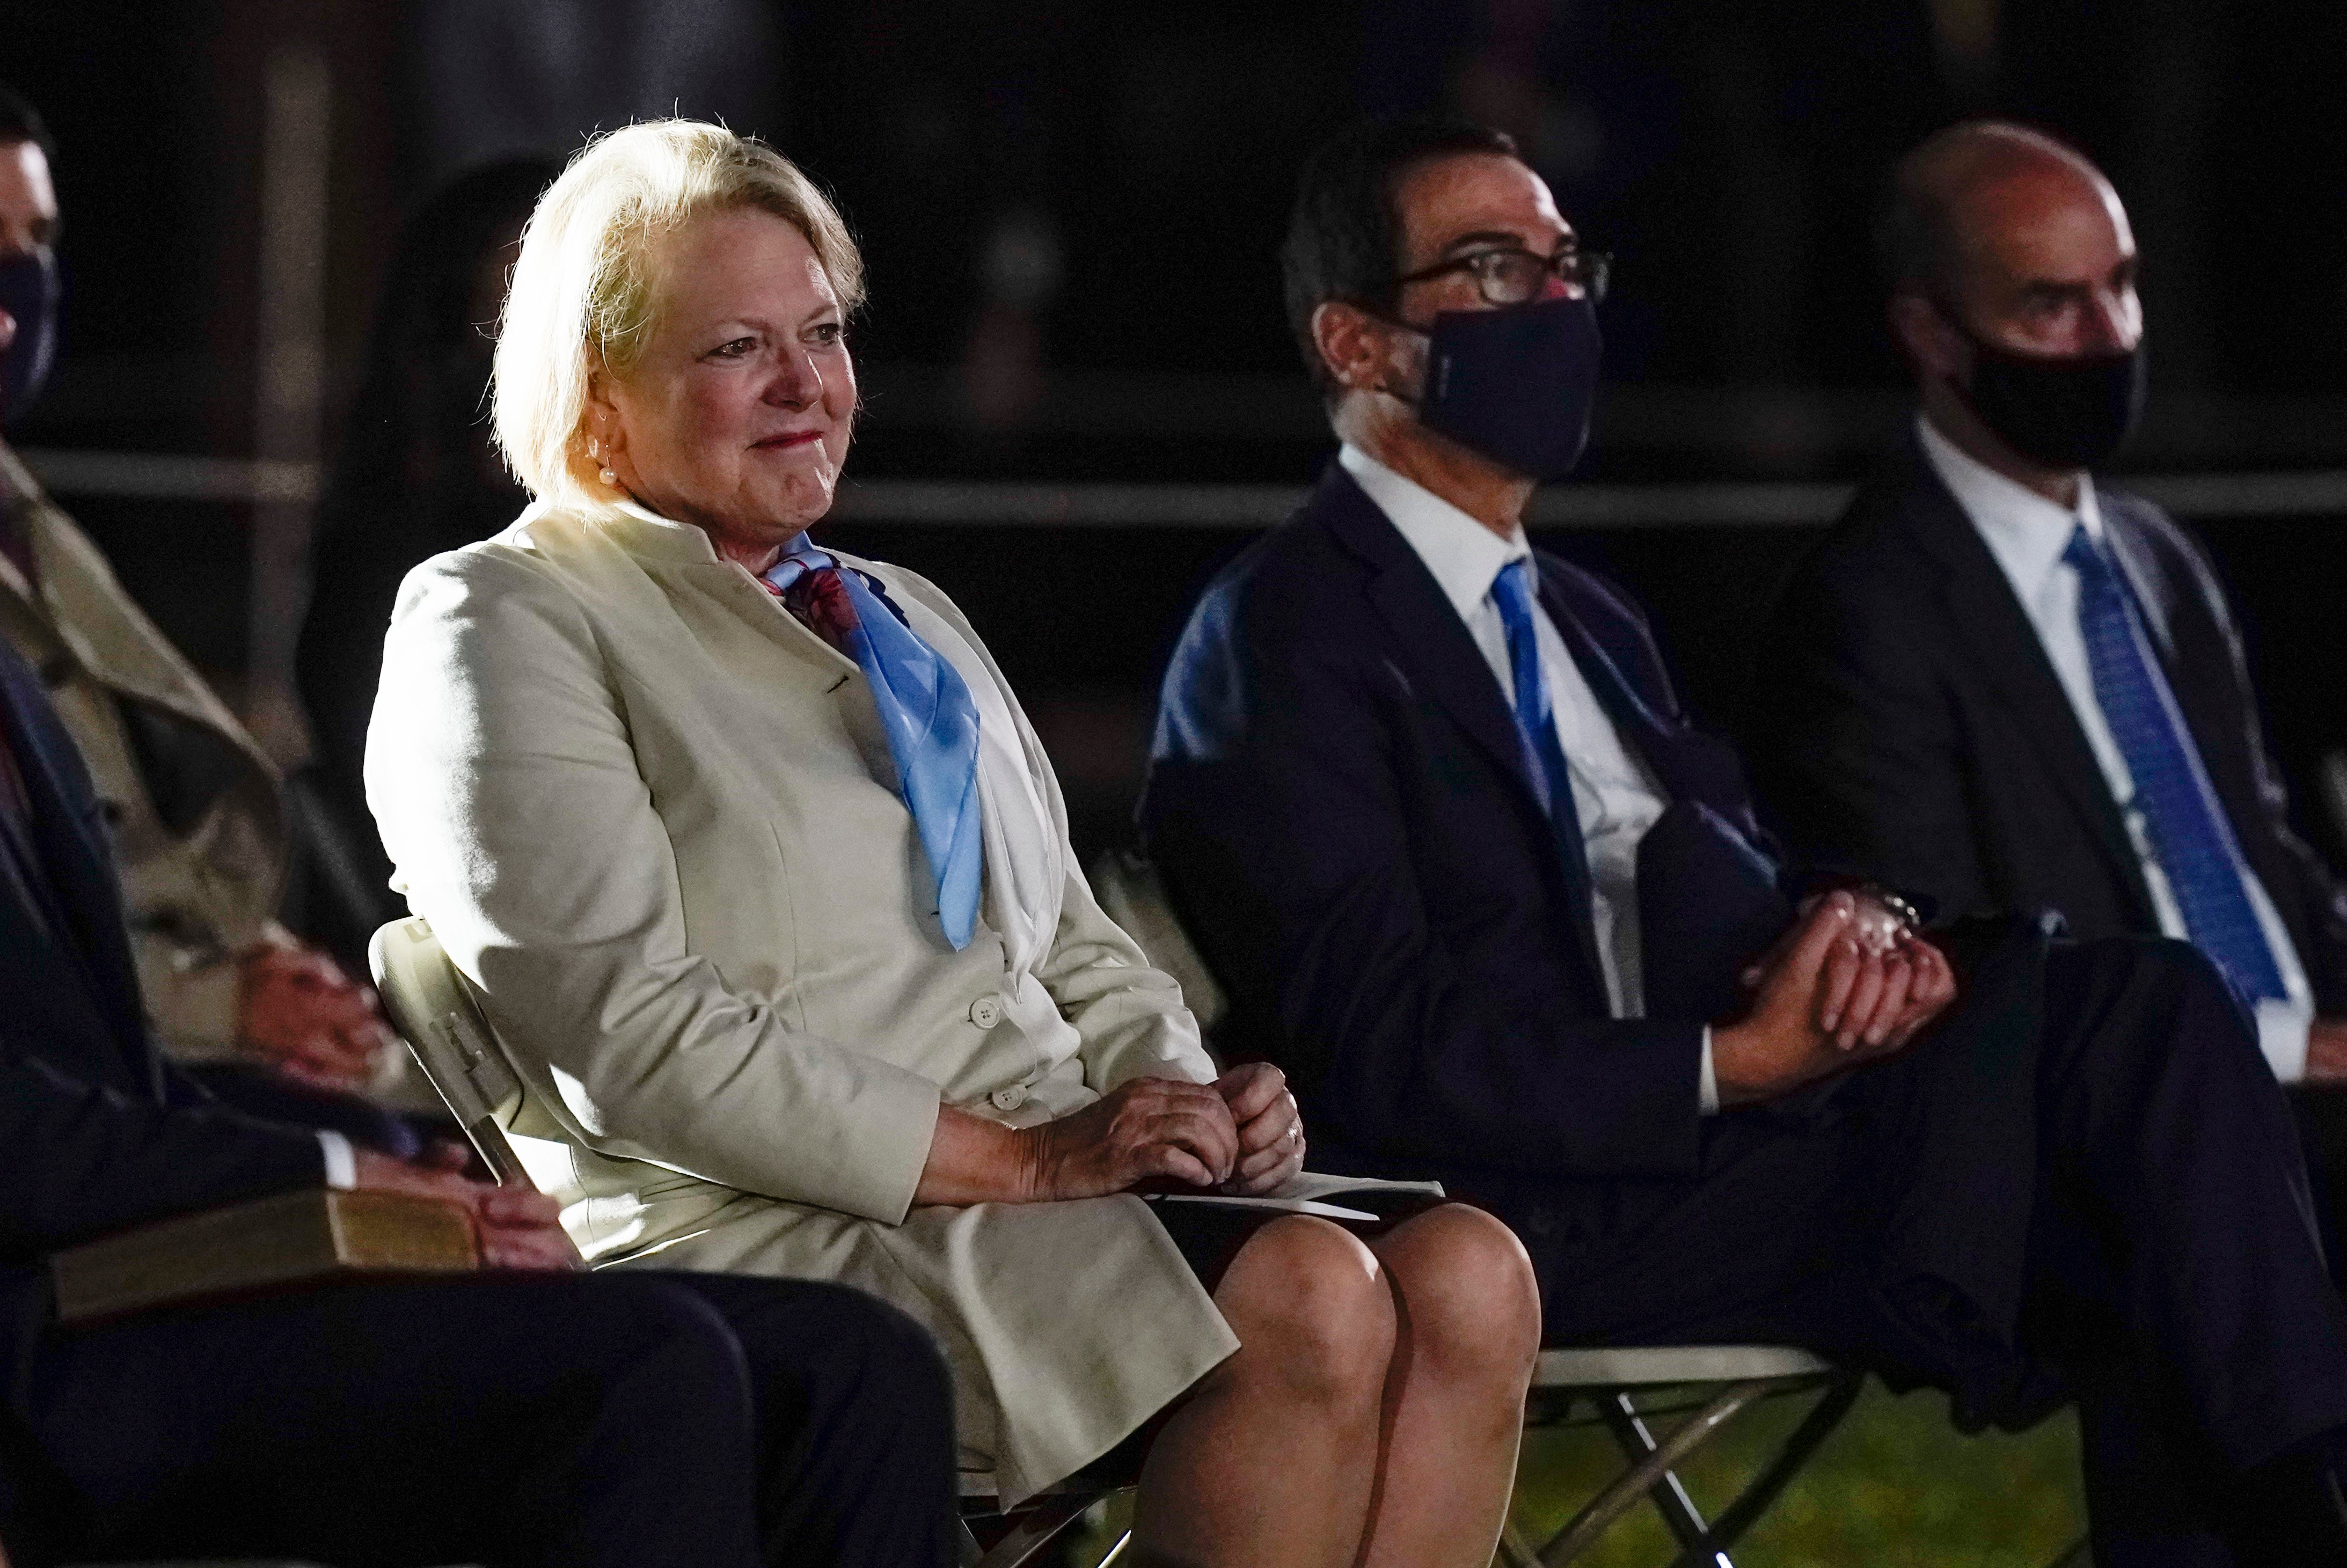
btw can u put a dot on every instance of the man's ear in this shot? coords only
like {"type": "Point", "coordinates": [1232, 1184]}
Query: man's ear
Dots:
{"type": "Point", "coordinates": [1927, 340]}
{"type": "Point", "coordinates": [1350, 345]}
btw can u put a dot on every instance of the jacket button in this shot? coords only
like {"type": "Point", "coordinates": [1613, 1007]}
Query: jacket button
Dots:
{"type": "Point", "coordinates": [1009, 1099]}
{"type": "Point", "coordinates": [986, 1012]}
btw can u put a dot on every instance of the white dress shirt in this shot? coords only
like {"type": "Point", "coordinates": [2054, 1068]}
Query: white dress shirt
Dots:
{"type": "Point", "coordinates": [1613, 791]}
{"type": "Point", "coordinates": [2027, 534]}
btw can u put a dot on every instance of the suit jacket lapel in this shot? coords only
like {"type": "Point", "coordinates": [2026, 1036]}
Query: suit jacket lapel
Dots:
{"type": "Point", "coordinates": [1445, 663]}
{"type": "Point", "coordinates": [1603, 669]}
{"type": "Point", "coordinates": [2004, 646]}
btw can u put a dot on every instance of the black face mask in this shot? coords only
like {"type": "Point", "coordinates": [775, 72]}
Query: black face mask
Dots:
{"type": "Point", "coordinates": [28, 293]}
{"type": "Point", "coordinates": [2065, 412]}
{"type": "Point", "coordinates": [1516, 384]}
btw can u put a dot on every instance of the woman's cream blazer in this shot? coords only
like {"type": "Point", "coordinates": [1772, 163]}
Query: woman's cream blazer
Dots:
{"type": "Point", "coordinates": [654, 820]}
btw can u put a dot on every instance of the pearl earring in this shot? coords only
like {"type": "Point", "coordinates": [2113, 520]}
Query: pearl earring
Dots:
{"type": "Point", "coordinates": [607, 477]}
{"type": "Point", "coordinates": [595, 453]}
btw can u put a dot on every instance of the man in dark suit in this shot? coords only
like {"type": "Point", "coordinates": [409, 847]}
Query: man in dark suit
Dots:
{"type": "Point", "coordinates": [2012, 688]}
{"type": "Point", "coordinates": [525, 1416]}
{"type": "Point", "coordinates": [1431, 808]}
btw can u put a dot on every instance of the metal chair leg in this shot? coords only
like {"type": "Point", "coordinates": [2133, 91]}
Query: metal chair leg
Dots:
{"type": "Point", "coordinates": [1515, 1551]}
{"type": "Point", "coordinates": [1824, 1416]}
{"type": "Point", "coordinates": [1610, 1504]}
{"type": "Point", "coordinates": [1668, 1493]}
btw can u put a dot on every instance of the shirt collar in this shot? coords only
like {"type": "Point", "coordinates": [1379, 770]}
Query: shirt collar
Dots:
{"type": "Point", "coordinates": [1464, 556]}
{"type": "Point", "coordinates": [2025, 532]}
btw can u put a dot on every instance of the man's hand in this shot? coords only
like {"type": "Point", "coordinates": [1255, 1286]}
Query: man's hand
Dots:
{"type": "Point", "coordinates": [2326, 1051]}
{"type": "Point", "coordinates": [517, 1227]}
{"type": "Point", "coordinates": [1148, 1128]}
{"type": "Point", "coordinates": [1882, 984]}
{"type": "Point", "coordinates": [308, 1018]}
{"type": "Point", "coordinates": [1270, 1128]}
{"type": "Point", "coordinates": [1823, 1002]}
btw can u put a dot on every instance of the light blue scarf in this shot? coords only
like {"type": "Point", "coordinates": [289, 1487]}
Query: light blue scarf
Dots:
{"type": "Point", "coordinates": [927, 714]}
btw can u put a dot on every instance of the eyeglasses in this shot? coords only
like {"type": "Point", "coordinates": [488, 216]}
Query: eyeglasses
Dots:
{"type": "Point", "coordinates": [1511, 277]}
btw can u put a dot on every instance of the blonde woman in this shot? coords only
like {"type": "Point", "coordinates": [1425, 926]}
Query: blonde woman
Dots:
{"type": "Point", "coordinates": [765, 881]}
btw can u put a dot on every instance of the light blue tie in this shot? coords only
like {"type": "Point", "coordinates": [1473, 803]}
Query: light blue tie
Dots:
{"type": "Point", "coordinates": [1535, 724]}
{"type": "Point", "coordinates": [1511, 594]}
{"type": "Point", "coordinates": [924, 709]}
{"type": "Point", "coordinates": [2189, 832]}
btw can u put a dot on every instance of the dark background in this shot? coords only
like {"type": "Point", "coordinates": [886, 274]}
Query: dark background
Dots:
{"type": "Point", "coordinates": [1069, 213]}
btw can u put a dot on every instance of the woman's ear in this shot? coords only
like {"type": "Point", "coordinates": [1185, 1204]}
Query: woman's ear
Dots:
{"type": "Point", "coordinates": [601, 414]}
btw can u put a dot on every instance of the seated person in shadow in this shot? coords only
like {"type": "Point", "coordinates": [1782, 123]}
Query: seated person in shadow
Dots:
{"type": "Point", "coordinates": [524, 1416]}
{"type": "Point", "coordinates": [1467, 872]}
{"type": "Point", "coordinates": [764, 881]}
{"type": "Point", "coordinates": [199, 817]}
{"type": "Point", "coordinates": [2010, 685]}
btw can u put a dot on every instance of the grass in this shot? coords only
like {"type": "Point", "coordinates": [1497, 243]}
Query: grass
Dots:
{"type": "Point", "coordinates": [1894, 1485]}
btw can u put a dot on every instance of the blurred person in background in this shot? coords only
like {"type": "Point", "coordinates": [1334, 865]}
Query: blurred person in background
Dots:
{"type": "Point", "coordinates": [417, 474]}
{"type": "Point", "coordinates": [1429, 803]}
{"type": "Point", "coordinates": [199, 817]}
{"type": "Point", "coordinates": [765, 882]}
{"type": "Point", "coordinates": [2011, 687]}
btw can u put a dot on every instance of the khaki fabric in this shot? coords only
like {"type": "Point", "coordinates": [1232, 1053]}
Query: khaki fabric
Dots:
{"type": "Point", "coordinates": [653, 820]}
{"type": "Point", "coordinates": [198, 890]}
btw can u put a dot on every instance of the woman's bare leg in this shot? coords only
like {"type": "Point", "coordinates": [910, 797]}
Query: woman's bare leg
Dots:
{"type": "Point", "coordinates": [1268, 1464]}
{"type": "Point", "coordinates": [1469, 1316]}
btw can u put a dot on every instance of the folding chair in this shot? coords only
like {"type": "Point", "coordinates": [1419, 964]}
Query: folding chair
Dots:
{"type": "Point", "coordinates": [1714, 1384]}
{"type": "Point", "coordinates": [433, 1008]}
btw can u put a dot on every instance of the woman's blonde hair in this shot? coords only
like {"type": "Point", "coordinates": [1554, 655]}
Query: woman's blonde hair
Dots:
{"type": "Point", "coordinates": [584, 293]}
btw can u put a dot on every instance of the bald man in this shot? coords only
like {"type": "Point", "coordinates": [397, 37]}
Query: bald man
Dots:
{"type": "Point", "coordinates": [2007, 685]}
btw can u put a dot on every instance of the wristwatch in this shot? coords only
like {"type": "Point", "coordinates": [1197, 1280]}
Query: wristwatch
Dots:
{"type": "Point", "coordinates": [1907, 914]}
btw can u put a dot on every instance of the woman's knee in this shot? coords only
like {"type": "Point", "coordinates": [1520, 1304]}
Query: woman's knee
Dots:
{"type": "Point", "coordinates": [1313, 1302]}
{"type": "Point", "coordinates": [1470, 1299]}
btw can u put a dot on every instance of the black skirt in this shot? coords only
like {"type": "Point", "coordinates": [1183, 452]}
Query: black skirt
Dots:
{"type": "Point", "coordinates": [1210, 1236]}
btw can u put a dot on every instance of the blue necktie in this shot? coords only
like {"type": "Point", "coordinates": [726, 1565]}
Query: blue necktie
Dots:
{"type": "Point", "coordinates": [1535, 723]}
{"type": "Point", "coordinates": [924, 709]}
{"type": "Point", "coordinates": [2189, 832]}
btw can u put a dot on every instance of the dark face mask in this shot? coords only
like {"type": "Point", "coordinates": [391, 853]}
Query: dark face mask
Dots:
{"type": "Point", "coordinates": [28, 292]}
{"type": "Point", "coordinates": [1515, 383]}
{"type": "Point", "coordinates": [2065, 412]}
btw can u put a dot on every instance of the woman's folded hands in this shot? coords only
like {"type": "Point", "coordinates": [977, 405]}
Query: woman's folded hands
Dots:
{"type": "Point", "coordinates": [1239, 1134]}
{"type": "Point", "coordinates": [1270, 1127]}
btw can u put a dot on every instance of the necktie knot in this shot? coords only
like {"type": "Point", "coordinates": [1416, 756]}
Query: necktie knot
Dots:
{"type": "Point", "coordinates": [1513, 593]}
{"type": "Point", "coordinates": [2084, 557]}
